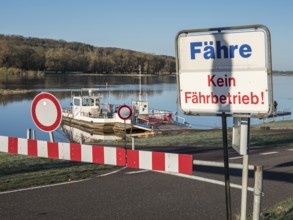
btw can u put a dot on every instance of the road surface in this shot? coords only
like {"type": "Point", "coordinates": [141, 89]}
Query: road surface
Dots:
{"type": "Point", "coordinates": [139, 194]}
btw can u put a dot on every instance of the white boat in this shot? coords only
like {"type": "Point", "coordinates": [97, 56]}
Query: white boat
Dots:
{"type": "Point", "coordinates": [88, 112]}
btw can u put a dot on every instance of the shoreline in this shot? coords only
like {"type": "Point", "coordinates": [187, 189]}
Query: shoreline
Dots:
{"type": "Point", "coordinates": [14, 91]}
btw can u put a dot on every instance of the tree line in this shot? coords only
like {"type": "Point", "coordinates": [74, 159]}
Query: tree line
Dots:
{"type": "Point", "coordinates": [59, 56]}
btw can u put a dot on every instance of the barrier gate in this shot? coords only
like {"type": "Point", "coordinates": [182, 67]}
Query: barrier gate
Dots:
{"type": "Point", "coordinates": [160, 161]}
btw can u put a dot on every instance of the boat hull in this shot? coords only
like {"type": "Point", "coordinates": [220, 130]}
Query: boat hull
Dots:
{"type": "Point", "coordinates": [106, 127]}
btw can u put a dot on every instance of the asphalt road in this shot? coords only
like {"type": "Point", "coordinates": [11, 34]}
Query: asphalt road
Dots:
{"type": "Point", "coordinates": [139, 194]}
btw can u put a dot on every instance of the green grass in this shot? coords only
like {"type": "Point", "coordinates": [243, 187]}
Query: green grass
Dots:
{"type": "Point", "coordinates": [280, 134]}
{"type": "Point", "coordinates": [288, 124]}
{"type": "Point", "coordinates": [18, 171]}
{"type": "Point", "coordinates": [281, 211]}
{"type": "Point", "coordinates": [197, 139]}
{"type": "Point", "coordinates": [185, 139]}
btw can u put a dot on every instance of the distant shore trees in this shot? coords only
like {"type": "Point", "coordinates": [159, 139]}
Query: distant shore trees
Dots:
{"type": "Point", "coordinates": [59, 56]}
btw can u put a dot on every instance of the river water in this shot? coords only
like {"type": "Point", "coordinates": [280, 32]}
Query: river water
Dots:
{"type": "Point", "coordinates": [160, 91]}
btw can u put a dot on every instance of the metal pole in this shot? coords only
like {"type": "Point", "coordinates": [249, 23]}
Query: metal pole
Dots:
{"type": "Point", "coordinates": [244, 187]}
{"type": "Point", "coordinates": [126, 156]}
{"type": "Point", "coordinates": [125, 134]}
{"type": "Point", "coordinates": [244, 140]}
{"type": "Point", "coordinates": [258, 183]}
{"type": "Point", "coordinates": [51, 136]}
{"type": "Point", "coordinates": [81, 139]}
{"type": "Point", "coordinates": [226, 167]}
{"type": "Point", "coordinates": [28, 133]}
{"type": "Point", "coordinates": [132, 143]}
{"type": "Point", "coordinates": [139, 69]}
{"type": "Point", "coordinates": [34, 137]}
{"type": "Point", "coordinates": [220, 164]}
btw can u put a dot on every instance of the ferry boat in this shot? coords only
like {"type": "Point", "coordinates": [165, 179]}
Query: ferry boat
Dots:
{"type": "Point", "coordinates": [88, 112]}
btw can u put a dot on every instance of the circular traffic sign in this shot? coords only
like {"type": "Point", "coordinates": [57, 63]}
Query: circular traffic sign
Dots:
{"type": "Point", "coordinates": [124, 112]}
{"type": "Point", "coordinates": [46, 112]}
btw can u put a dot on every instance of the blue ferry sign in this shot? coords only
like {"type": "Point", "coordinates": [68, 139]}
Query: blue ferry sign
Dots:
{"type": "Point", "coordinates": [225, 70]}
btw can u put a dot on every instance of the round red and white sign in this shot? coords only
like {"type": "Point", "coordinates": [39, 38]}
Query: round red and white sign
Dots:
{"type": "Point", "coordinates": [46, 112]}
{"type": "Point", "coordinates": [124, 112]}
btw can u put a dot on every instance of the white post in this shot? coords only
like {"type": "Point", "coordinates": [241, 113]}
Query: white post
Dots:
{"type": "Point", "coordinates": [30, 134]}
{"type": "Point", "coordinates": [258, 182]}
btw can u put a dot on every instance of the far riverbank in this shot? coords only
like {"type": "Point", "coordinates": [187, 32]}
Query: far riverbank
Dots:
{"type": "Point", "coordinates": [14, 91]}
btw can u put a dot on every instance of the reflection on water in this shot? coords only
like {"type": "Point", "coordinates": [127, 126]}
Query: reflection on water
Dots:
{"type": "Point", "coordinates": [76, 81]}
{"type": "Point", "coordinates": [80, 136]}
{"type": "Point", "coordinates": [160, 91]}
{"type": "Point", "coordinates": [20, 80]}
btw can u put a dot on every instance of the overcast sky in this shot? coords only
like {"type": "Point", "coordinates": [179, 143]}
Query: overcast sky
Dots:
{"type": "Point", "coordinates": [147, 26]}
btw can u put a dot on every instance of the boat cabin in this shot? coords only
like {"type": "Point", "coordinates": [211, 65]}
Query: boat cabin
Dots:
{"type": "Point", "coordinates": [90, 106]}
{"type": "Point", "coordinates": [140, 107]}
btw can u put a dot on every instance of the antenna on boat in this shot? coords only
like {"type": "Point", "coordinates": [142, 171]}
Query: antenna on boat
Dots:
{"type": "Point", "coordinates": [139, 69]}
{"type": "Point", "coordinates": [107, 88]}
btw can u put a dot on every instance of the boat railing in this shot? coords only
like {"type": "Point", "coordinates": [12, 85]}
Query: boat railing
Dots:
{"type": "Point", "coordinates": [178, 119]}
{"type": "Point", "coordinates": [98, 88]}
{"type": "Point", "coordinates": [155, 118]}
{"type": "Point", "coordinates": [99, 115]}
{"type": "Point", "coordinates": [142, 120]}
{"type": "Point", "coordinates": [157, 111]}
{"type": "Point", "coordinates": [67, 110]}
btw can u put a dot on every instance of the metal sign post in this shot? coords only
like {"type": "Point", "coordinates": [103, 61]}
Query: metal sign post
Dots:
{"type": "Point", "coordinates": [124, 113]}
{"type": "Point", "coordinates": [244, 187]}
{"type": "Point", "coordinates": [240, 143]}
{"type": "Point", "coordinates": [226, 72]}
{"type": "Point", "coordinates": [46, 113]}
{"type": "Point", "coordinates": [125, 135]}
{"type": "Point", "coordinates": [226, 167]}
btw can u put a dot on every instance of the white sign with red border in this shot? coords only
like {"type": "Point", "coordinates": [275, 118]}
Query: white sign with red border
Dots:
{"type": "Point", "coordinates": [224, 71]}
{"type": "Point", "coordinates": [46, 112]}
{"type": "Point", "coordinates": [124, 112]}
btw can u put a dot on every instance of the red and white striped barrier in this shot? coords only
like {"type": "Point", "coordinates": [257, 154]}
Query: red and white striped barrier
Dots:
{"type": "Point", "coordinates": [63, 151]}
{"type": "Point", "coordinates": [180, 163]}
